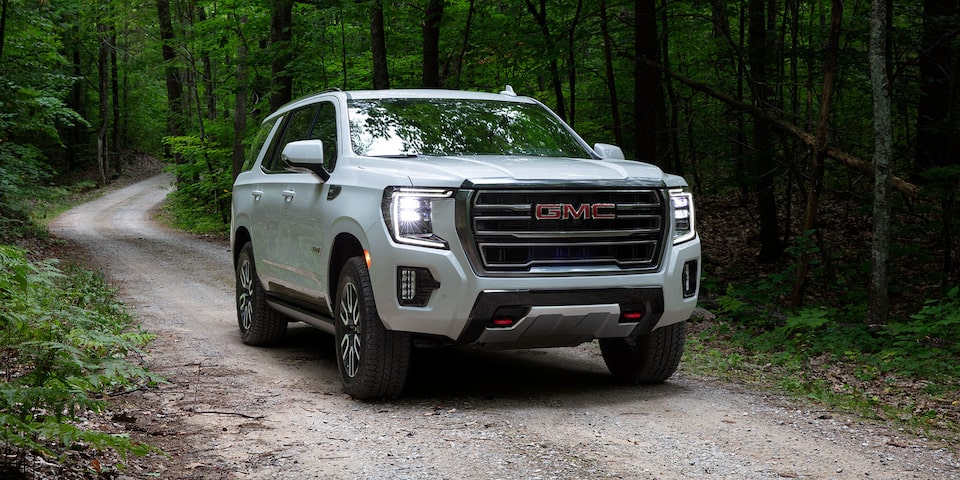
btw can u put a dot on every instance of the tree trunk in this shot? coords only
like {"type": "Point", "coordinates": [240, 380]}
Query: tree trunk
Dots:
{"type": "Point", "coordinates": [115, 99]}
{"type": "Point", "coordinates": [610, 75]}
{"type": "Point", "coordinates": [540, 16]}
{"type": "Point", "coordinates": [431, 44]}
{"type": "Point", "coordinates": [810, 219]}
{"type": "Point", "coordinates": [172, 75]}
{"type": "Point", "coordinates": [648, 96]}
{"type": "Point", "coordinates": [378, 47]}
{"type": "Point", "coordinates": [764, 168]}
{"type": "Point", "coordinates": [75, 133]}
{"type": "Point", "coordinates": [671, 137]}
{"type": "Point", "coordinates": [572, 63]}
{"type": "Point", "coordinates": [458, 68]}
{"type": "Point", "coordinates": [209, 83]}
{"type": "Point", "coordinates": [883, 139]}
{"type": "Point", "coordinates": [103, 90]}
{"type": "Point", "coordinates": [3, 25]}
{"type": "Point", "coordinates": [343, 50]}
{"type": "Point", "coordinates": [281, 34]}
{"type": "Point", "coordinates": [240, 107]}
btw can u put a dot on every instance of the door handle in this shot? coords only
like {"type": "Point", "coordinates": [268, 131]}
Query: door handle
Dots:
{"type": "Point", "coordinates": [257, 194]}
{"type": "Point", "coordinates": [288, 195]}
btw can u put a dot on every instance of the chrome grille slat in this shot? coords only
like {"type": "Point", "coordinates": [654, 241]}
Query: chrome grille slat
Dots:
{"type": "Point", "coordinates": [508, 238]}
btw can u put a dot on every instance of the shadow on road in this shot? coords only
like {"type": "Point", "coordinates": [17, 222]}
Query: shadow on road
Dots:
{"type": "Point", "coordinates": [449, 372]}
{"type": "Point", "coordinates": [516, 375]}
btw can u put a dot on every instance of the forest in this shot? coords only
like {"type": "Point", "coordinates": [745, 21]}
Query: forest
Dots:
{"type": "Point", "coordinates": [820, 137]}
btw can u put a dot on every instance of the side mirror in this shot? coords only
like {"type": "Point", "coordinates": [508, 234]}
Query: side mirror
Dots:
{"type": "Point", "coordinates": [607, 151]}
{"type": "Point", "coordinates": [305, 154]}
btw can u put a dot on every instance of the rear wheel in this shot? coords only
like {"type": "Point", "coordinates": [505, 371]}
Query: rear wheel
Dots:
{"type": "Point", "coordinates": [650, 358]}
{"type": "Point", "coordinates": [373, 361]}
{"type": "Point", "coordinates": [259, 324]}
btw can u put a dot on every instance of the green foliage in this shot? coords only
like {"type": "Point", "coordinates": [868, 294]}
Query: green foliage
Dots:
{"type": "Point", "coordinates": [827, 354]}
{"type": "Point", "coordinates": [64, 342]}
{"type": "Point", "coordinates": [925, 345]}
{"type": "Point", "coordinates": [21, 173]}
{"type": "Point", "coordinates": [201, 202]}
{"type": "Point", "coordinates": [32, 113]}
{"type": "Point", "coordinates": [807, 319]}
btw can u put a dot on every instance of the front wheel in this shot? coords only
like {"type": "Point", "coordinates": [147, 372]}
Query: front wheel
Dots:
{"type": "Point", "coordinates": [650, 358]}
{"type": "Point", "coordinates": [373, 361]}
{"type": "Point", "coordinates": [259, 324]}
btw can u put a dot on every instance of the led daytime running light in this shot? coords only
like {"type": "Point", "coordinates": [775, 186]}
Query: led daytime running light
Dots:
{"type": "Point", "coordinates": [684, 228]}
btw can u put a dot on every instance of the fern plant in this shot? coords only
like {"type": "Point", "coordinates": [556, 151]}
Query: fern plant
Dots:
{"type": "Point", "coordinates": [64, 344]}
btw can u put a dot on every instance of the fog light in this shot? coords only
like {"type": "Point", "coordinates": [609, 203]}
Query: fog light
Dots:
{"type": "Point", "coordinates": [689, 278]}
{"type": "Point", "coordinates": [415, 286]}
{"type": "Point", "coordinates": [408, 285]}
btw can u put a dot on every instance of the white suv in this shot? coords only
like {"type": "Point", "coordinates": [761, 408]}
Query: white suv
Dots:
{"type": "Point", "coordinates": [458, 218]}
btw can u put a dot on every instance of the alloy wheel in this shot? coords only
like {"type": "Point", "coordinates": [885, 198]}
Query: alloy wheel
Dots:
{"type": "Point", "coordinates": [350, 318]}
{"type": "Point", "coordinates": [245, 295]}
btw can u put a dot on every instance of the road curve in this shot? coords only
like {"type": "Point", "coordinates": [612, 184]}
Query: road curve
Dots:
{"type": "Point", "coordinates": [232, 411]}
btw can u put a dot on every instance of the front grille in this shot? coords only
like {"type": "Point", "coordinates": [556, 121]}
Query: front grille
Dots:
{"type": "Point", "coordinates": [553, 230]}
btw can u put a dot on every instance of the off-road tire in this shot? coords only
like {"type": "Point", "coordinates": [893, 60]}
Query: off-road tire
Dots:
{"type": "Point", "coordinates": [645, 359]}
{"type": "Point", "coordinates": [259, 324]}
{"type": "Point", "coordinates": [373, 361]}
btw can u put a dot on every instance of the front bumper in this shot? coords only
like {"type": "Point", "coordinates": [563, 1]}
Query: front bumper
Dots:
{"type": "Point", "coordinates": [549, 310]}
{"type": "Point", "coordinates": [537, 318]}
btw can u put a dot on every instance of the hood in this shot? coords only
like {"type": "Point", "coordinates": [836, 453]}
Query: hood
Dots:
{"type": "Point", "coordinates": [521, 170]}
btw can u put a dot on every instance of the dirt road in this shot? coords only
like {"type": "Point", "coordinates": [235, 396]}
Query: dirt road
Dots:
{"type": "Point", "coordinates": [237, 412]}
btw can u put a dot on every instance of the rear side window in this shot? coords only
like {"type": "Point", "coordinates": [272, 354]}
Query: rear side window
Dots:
{"type": "Point", "coordinates": [255, 145]}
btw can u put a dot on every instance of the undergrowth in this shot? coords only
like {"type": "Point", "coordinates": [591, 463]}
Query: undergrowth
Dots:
{"type": "Point", "coordinates": [907, 370]}
{"type": "Point", "coordinates": [65, 344]}
{"type": "Point", "coordinates": [202, 203]}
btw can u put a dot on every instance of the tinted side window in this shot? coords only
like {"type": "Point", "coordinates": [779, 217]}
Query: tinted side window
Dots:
{"type": "Point", "coordinates": [297, 127]}
{"type": "Point", "coordinates": [255, 144]}
{"type": "Point", "coordinates": [325, 130]}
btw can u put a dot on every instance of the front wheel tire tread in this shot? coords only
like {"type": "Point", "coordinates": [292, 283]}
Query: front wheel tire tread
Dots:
{"type": "Point", "coordinates": [645, 359]}
{"type": "Point", "coordinates": [373, 361]}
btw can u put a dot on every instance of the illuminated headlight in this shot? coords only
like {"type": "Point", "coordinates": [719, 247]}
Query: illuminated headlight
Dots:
{"type": "Point", "coordinates": [408, 213]}
{"type": "Point", "coordinates": [684, 228]}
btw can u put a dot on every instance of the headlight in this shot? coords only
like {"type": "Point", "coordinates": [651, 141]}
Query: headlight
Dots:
{"type": "Point", "coordinates": [684, 228]}
{"type": "Point", "coordinates": [408, 213]}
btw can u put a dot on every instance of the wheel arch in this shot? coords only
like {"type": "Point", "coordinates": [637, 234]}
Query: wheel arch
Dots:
{"type": "Point", "coordinates": [240, 237]}
{"type": "Point", "coordinates": [345, 247]}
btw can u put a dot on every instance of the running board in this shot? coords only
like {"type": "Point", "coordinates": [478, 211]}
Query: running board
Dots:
{"type": "Point", "coordinates": [322, 322]}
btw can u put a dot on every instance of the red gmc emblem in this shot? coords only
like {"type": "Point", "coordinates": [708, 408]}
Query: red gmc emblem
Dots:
{"type": "Point", "coordinates": [564, 211]}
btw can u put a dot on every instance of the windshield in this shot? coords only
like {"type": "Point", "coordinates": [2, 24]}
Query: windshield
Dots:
{"type": "Point", "coordinates": [453, 126]}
